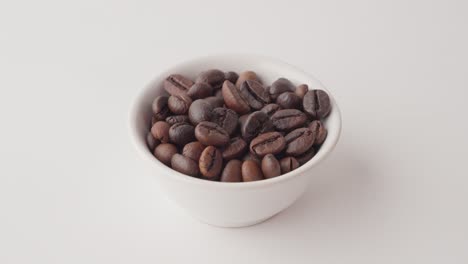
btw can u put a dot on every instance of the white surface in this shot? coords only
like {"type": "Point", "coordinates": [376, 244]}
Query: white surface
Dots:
{"type": "Point", "coordinates": [230, 204]}
{"type": "Point", "coordinates": [394, 191]}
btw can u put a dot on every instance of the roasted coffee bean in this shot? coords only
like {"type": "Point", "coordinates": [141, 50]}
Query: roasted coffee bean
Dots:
{"type": "Point", "coordinates": [270, 166]}
{"type": "Point", "coordinates": [254, 94]}
{"type": "Point", "coordinates": [200, 91]}
{"type": "Point", "coordinates": [215, 101]}
{"type": "Point", "coordinates": [199, 111]}
{"type": "Point", "coordinates": [164, 152]}
{"type": "Point", "coordinates": [211, 134]}
{"type": "Point", "coordinates": [226, 118]}
{"type": "Point", "coordinates": [242, 119]}
{"type": "Point", "coordinates": [154, 120]}
{"type": "Point", "coordinates": [299, 141]}
{"type": "Point", "coordinates": [235, 149]}
{"type": "Point", "coordinates": [253, 157]}
{"type": "Point", "coordinates": [233, 99]}
{"type": "Point", "coordinates": [231, 76]}
{"type": "Point", "coordinates": [317, 104]}
{"type": "Point", "coordinates": [179, 104]}
{"type": "Point", "coordinates": [177, 84]}
{"type": "Point", "coordinates": [288, 119]}
{"type": "Point", "coordinates": [193, 150]}
{"type": "Point", "coordinates": [181, 133]}
{"type": "Point", "coordinates": [267, 143]}
{"type": "Point", "coordinates": [177, 119]}
{"type": "Point", "coordinates": [213, 77]}
{"type": "Point", "coordinates": [251, 171]}
{"type": "Point", "coordinates": [288, 164]}
{"type": "Point", "coordinates": [219, 94]}
{"type": "Point", "coordinates": [160, 131]}
{"type": "Point", "coordinates": [302, 159]}
{"type": "Point", "coordinates": [270, 109]}
{"type": "Point", "coordinates": [319, 130]}
{"type": "Point", "coordinates": [301, 90]}
{"type": "Point", "coordinates": [232, 171]}
{"type": "Point", "coordinates": [151, 141]}
{"type": "Point", "coordinates": [210, 163]}
{"type": "Point", "coordinates": [256, 123]}
{"type": "Point", "coordinates": [289, 100]}
{"type": "Point", "coordinates": [184, 165]}
{"type": "Point", "coordinates": [160, 108]}
{"type": "Point", "coordinates": [247, 75]}
{"type": "Point", "coordinates": [280, 86]}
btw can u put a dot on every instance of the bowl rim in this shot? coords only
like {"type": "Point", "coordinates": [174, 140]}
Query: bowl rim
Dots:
{"type": "Point", "coordinates": [142, 149]}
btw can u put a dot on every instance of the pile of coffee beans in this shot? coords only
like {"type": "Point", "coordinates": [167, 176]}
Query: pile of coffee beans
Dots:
{"type": "Point", "coordinates": [231, 127]}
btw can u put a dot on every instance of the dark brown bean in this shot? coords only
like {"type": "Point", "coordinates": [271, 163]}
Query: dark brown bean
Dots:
{"type": "Point", "coordinates": [270, 109]}
{"type": "Point", "coordinates": [247, 75]}
{"type": "Point", "coordinates": [209, 133]}
{"type": "Point", "coordinates": [299, 141]}
{"type": "Point", "coordinates": [319, 130]}
{"type": "Point", "coordinates": [270, 166]}
{"type": "Point", "coordinates": [151, 141]}
{"type": "Point", "coordinates": [251, 171]}
{"type": "Point", "coordinates": [171, 120]}
{"type": "Point", "coordinates": [226, 118]}
{"type": "Point", "coordinates": [235, 149]}
{"type": "Point", "coordinates": [160, 108]}
{"type": "Point", "coordinates": [164, 152]}
{"type": "Point", "coordinates": [200, 91]}
{"type": "Point", "coordinates": [232, 171]}
{"type": "Point", "coordinates": [233, 99]}
{"type": "Point", "coordinates": [215, 101]}
{"type": "Point", "coordinates": [280, 86]}
{"type": "Point", "coordinates": [181, 133]}
{"type": "Point", "coordinates": [184, 165]}
{"type": "Point", "coordinates": [179, 104]}
{"type": "Point", "coordinates": [213, 77]}
{"type": "Point", "coordinates": [254, 94]}
{"type": "Point", "coordinates": [256, 123]}
{"type": "Point", "coordinates": [288, 119]}
{"type": "Point", "coordinates": [288, 164]}
{"type": "Point", "coordinates": [267, 143]}
{"type": "Point", "coordinates": [289, 100]}
{"type": "Point", "coordinates": [317, 104]}
{"type": "Point", "coordinates": [219, 94]}
{"type": "Point", "coordinates": [176, 84]}
{"type": "Point", "coordinates": [193, 150]}
{"type": "Point", "coordinates": [301, 90]}
{"type": "Point", "coordinates": [250, 156]}
{"type": "Point", "coordinates": [160, 131]}
{"type": "Point", "coordinates": [302, 159]}
{"type": "Point", "coordinates": [199, 111]}
{"type": "Point", "coordinates": [231, 76]}
{"type": "Point", "coordinates": [210, 163]}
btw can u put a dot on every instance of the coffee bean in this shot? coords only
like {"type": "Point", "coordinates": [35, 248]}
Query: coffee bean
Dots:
{"type": "Point", "coordinates": [151, 141]}
{"type": "Point", "coordinates": [270, 109]}
{"type": "Point", "coordinates": [302, 159]}
{"type": "Point", "coordinates": [199, 111]}
{"type": "Point", "coordinates": [164, 152]}
{"type": "Point", "coordinates": [177, 84]}
{"type": "Point", "coordinates": [288, 164]}
{"type": "Point", "coordinates": [301, 90]}
{"type": "Point", "coordinates": [319, 130]}
{"type": "Point", "coordinates": [299, 141]}
{"type": "Point", "coordinates": [200, 91]}
{"type": "Point", "coordinates": [280, 86]}
{"type": "Point", "coordinates": [210, 163]}
{"type": "Point", "coordinates": [235, 149]}
{"type": "Point", "coordinates": [317, 104]}
{"type": "Point", "coordinates": [171, 120]}
{"type": "Point", "coordinates": [209, 133]}
{"type": "Point", "coordinates": [232, 171]}
{"type": "Point", "coordinates": [270, 166]}
{"type": "Point", "coordinates": [267, 143]}
{"type": "Point", "coordinates": [181, 133]}
{"type": "Point", "coordinates": [231, 76]}
{"type": "Point", "coordinates": [288, 119]}
{"type": "Point", "coordinates": [213, 77]}
{"type": "Point", "coordinates": [154, 120]}
{"type": "Point", "coordinates": [226, 118]}
{"type": "Point", "coordinates": [160, 108]}
{"type": "Point", "coordinates": [289, 100]}
{"type": "Point", "coordinates": [247, 75]}
{"type": "Point", "coordinates": [219, 94]}
{"type": "Point", "coordinates": [233, 98]}
{"type": "Point", "coordinates": [251, 171]}
{"type": "Point", "coordinates": [193, 150]}
{"type": "Point", "coordinates": [242, 119]}
{"type": "Point", "coordinates": [160, 131]}
{"type": "Point", "coordinates": [179, 104]}
{"type": "Point", "coordinates": [257, 123]}
{"type": "Point", "coordinates": [254, 94]}
{"type": "Point", "coordinates": [253, 157]}
{"type": "Point", "coordinates": [184, 165]}
{"type": "Point", "coordinates": [215, 101]}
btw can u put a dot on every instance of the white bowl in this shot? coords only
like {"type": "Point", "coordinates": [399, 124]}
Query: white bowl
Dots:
{"type": "Point", "coordinates": [230, 204]}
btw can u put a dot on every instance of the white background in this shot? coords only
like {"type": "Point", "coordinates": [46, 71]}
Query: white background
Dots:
{"type": "Point", "coordinates": [394, 191]}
